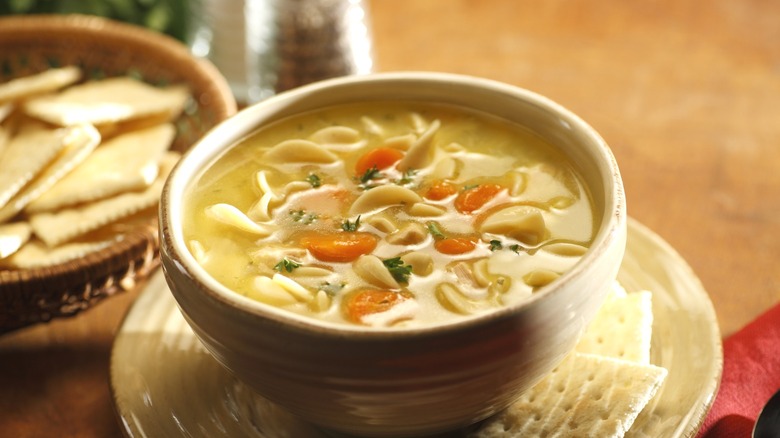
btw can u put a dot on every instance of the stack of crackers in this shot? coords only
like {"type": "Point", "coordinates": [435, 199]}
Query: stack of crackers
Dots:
{"type": "Point", "coordinates": [81, 162]}
{"type": "Point", "coordinates": [600, 389]}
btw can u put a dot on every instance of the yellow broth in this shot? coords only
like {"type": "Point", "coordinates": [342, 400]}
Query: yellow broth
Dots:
{"type": "Point", "coordinates": [287, 216]}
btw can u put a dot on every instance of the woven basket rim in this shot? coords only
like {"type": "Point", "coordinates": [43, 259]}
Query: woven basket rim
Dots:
{"type": "Point", "coordinates": [85, 276]}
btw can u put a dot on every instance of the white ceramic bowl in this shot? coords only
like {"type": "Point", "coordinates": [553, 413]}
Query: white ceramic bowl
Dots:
{"type": "Point", "coordinates": [394, 382]}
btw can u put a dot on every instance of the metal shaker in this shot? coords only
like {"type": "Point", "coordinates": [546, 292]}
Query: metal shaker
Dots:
{"type": "Point", "coordinates": [290, 43]}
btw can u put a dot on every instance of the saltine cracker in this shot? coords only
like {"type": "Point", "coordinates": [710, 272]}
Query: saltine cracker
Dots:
{"type": "Point", "coordinates": [79, 141]}
{"type": "Point", "coordinates": [39, 83]}
{"type": "Point", "coordinates": [62, 226]}
{"type": "Point", "coordinates": [125, 163]}
{"type": "Point", "coordinates": [13, 236]}
{"type": "Point", "coordinates": [25, 156]}
{"type": "Point", "coordinates": [111, 100]}
{"type": "Point", "coordinates": [586, 395]}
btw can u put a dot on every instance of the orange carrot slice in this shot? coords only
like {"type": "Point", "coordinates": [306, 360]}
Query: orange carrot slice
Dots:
{"type": "Point", "coordinates": [339, 247]}
{"type": "Point", "coordinates": [474, 198]}
{"type": "Point", "coordinates": [382, 158]}
{"type": "Point", "coordinates": [370, 301]}
{"type": "Point", "coordinates": [440, 190]}
{"type": "Point", "coordinates": [454, 245]}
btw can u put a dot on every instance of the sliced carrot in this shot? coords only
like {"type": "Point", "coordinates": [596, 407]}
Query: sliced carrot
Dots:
{"type": "Point", "coordinates": [440, 190]}
{"type": "Point", "coordinates": [474, 198]}
{"type": "Point", "coordinates": [339, 247]}
{"type": "Point", "coordinates": [382, 158]}
{"type": "Point", "coordinates": [454, 245]}
{"type": "Point", "coordinates": [370, 301]}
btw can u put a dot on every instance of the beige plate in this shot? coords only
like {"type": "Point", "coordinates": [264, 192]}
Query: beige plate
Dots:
{"type": "Point", "coordinates": [164, 383]}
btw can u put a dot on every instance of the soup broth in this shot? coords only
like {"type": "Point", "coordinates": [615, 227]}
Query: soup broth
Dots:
{"type": "Point", "coordinates": [389, 214]}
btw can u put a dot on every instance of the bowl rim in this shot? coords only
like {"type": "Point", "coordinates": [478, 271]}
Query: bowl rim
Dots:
{"type": "Point", "coordinates": [611, 232]}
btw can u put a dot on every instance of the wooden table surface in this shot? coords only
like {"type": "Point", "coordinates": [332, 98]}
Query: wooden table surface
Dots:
{"type": "Point", "coordinates": [687, 93]}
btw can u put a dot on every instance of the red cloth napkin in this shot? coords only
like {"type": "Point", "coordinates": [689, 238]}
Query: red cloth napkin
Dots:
{"type": "Point", "coordinates": [751, 375]}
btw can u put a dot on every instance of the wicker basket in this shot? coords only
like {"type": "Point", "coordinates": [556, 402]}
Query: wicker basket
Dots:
{"type": "Point", "coordinates": [102, 48]}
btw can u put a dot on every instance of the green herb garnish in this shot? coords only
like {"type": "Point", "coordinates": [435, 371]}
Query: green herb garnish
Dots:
{"type": "Point", "coordinates": [303, 217]}
{"type": "Point", "coordinates": [370, 174]}
{"type": "Point", "coordinates": [351, 226]}
{"type": "Point", "coordinates": [495, 245]}
{"type": "Point", "coordinates": [331, 288]}
{"type": "Point", "coordinates": [470, 186]}
{"type": "Point", "coordinates": [286, 265]}
{"type": "Point", "coordinates": [433, 227]}
{"type": "Point", "coordinates": [407, 178]}
{"type": "Point", "coordinates": [398, 270]}
{"type": "Point", "coordinates": [515, 248]}
{"type": "Point", "coordinates": [314, 180]}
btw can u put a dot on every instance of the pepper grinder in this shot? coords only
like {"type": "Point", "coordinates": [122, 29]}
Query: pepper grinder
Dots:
{"type": "Point", "coordinates": [290, 43]}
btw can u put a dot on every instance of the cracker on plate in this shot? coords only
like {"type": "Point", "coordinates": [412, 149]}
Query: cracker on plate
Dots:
{"type": "Point", "coordinates": [622, 328]}
{"type": "Point", "coordinates": [599, 389]}
{"type": "Point", "coordinates": [586, 395]}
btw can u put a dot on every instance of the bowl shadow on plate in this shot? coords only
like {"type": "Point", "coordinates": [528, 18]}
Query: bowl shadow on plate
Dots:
{"type": "Point", "coordinates": [227, 406]}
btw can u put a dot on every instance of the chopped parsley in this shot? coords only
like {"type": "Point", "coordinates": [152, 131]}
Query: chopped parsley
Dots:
{"type": "Point", "coordinates": [470, 186]}
{"type": "Point", "coordinates": [369, 174]}
{"type": "Point", "coordinates": [331, 288]}
{"type": "Point", "coordinates": [286, 265]}
{"type": "Point", "coordinates": [495, 245]}
{"type": "Point", "coordinates": [515, 248]}
{"type": "Point", "coordinates": [314, 180]}
{"type": "Point", "coordinates": [303, 217]}
{"type": "Point", "coordinates": [433, 227]}
{"type": "Point", "coordinates": [351, 226]}
{"type": "Point", "coordinates": [398, 270]}
{"type": "Point", "coordinates": [407, 178]}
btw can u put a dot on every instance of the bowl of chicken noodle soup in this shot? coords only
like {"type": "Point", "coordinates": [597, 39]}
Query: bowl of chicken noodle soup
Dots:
{"type": "Point", "coordinates": [394, 254]}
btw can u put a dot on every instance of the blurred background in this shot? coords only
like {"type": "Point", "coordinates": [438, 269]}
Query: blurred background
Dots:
{"type": "Point", "coordinates": [260, 46]}
{"type": "Point", "coordinates": [177, 18]}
